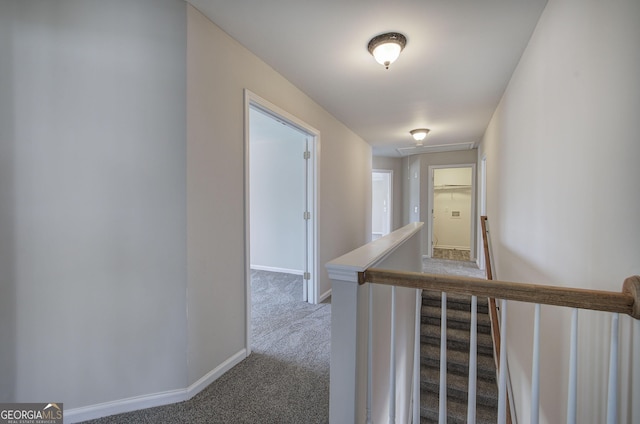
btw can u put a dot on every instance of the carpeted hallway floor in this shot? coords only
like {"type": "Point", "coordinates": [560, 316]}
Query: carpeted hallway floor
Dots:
{"type": "Point", "coordinates": [285, 379]}
{"type": "Point", "coordinates": [452, 267]}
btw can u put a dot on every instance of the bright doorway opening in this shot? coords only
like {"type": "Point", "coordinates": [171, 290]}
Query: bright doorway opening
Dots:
{"type": "Point", "coordinates": [280, 197]}
{"type": "Point", "coordinates": [452, 227]}
{"type": "Point", "coordinates": [381, 203]}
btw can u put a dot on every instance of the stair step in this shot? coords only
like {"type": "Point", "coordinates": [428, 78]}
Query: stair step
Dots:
{"type": "Point", "coordinates": [456, 411]}
{"type": "Point", "coordinates": [456, 339]}
{"type": "Point", "coordinates": [487, 392]}
{"type": "Point", "coordinates": [456, 318]}
{"type": "Point", "coordinates": [458, 362]}
{"type": "Point", "coordinates": [458, 325]}
{"type": "Point", "coordinates": [454, 301]}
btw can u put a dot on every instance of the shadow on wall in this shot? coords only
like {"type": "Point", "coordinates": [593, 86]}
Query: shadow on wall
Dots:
{"type": "Point", "coordinates": [554, 372]}
{"type": "Point", "coordinates": [8, 293]}
{"type": "Point", "coordinates": [594, 330]}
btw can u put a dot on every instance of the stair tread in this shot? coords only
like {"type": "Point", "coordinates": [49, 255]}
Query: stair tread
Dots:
{"type": "Point", "coordinates": [457, 385]}
{"type": "Point", "coordinates": [432, 296]}
{"type": "Point", "coordinates": [458, 335]}
{"type": "Point", "coordinates": [458, 361]}
{"type": "Point", "coordinates": [455, 334]}
{"type": "Point", "coordinates": [455, 319]}
{"type": "Point", "coordinates": [456, 411]}
{"type": "Point", "coordinates": [435, 311]}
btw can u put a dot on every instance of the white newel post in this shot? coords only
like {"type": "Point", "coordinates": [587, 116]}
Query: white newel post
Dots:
{"type": "Point", "coordinates": [352, 367]}
{"type": "Point", "coordinates": [347, 353]}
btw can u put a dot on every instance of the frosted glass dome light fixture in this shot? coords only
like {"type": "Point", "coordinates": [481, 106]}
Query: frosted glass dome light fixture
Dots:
{"type": "Point", "coordinates": [419, 134]}
{"type": "Point", "coordinates": [386, 48]}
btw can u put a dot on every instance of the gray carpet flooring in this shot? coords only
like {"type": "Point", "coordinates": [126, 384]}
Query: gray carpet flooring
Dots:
{"type": "Point", "coordinates": [452, 267]}
{"type": "Point", "coordinates": [284, 380]}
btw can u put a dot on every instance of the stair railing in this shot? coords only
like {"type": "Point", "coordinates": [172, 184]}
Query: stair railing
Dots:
{"type": "Point", "coordinates": [625, 302]}
{"type": "Point", "coordinates": [493, 311]}
{"type": "Point", "coordinates": [374, 348]}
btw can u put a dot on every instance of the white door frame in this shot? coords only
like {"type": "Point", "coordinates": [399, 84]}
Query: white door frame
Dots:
{"type": "Point", "coordinates": [390, 172]}
{"type": "Point", "coordinates": [313, 140]}
{"type": "Point", "coordinates": [482, 210]}
{"type": "Point", "coordinates": [472, 245]}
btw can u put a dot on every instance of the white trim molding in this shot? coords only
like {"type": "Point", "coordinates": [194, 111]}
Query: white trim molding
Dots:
{"type": "Point", "coordinates": [277, 269]}
{"type": "Point", "coordinates": [137, 403]}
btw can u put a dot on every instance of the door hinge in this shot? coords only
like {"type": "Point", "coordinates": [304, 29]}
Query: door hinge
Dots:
{"type": "Point", "coordinates": [307, 276]}
{"type": "Point", "coordinates": [306, 215]}
{"type": "Point", "coordinates": [306, 155]}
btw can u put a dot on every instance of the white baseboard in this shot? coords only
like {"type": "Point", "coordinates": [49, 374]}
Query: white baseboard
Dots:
{"type": "Point", "coordinates": [444, 246]}
{"type": "Point", "coordinates": [216, 373]}
{"type": "Point", "coordinates": [324, 295]}
{"type": "Point", "coordinates": [123, 405]}
{"type": "Point", "coordinates": [149, 401]}
{"type": "Point", "coordinates": [277, 269]}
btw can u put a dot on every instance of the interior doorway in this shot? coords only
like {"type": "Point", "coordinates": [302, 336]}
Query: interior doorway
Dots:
{"type": "Point", "coordinates": [452, 199]}
{"type": "Point", "coordinates": [280, 197]}
{"type": "Point", "coordinates": [381, 203]}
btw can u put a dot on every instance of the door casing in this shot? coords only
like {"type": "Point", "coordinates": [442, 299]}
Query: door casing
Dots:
{"type": "Point", "coordinates": [313, 144]}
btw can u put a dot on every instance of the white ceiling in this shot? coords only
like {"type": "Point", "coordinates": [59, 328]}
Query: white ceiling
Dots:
{"type": "Point", "coordinates": [459, 57]}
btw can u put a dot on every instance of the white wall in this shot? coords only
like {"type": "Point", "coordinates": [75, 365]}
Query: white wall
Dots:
{"type": "Point", "coordinates": [562, 155]}
{"type": "Point", "coordinates": [93, 160]}
{"type": "Point", "coordinates": [219, 70]}
{"type": "Point", "coordinates": [277, 190]}
{"type": "Point", "coordinates": [452, 176]}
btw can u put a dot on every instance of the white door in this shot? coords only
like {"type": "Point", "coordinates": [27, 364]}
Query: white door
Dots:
{"type": "Point", "coordinates": [381, 198]}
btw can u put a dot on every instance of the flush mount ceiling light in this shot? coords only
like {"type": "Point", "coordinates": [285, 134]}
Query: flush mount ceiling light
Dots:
{"type": "Point", "coordinates": [419, 134]}
{"type": "Point", "coordinates": [386, 48]}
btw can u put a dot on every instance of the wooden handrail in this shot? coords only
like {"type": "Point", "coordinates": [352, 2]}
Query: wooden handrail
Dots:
{"type": "Point", "coordinates": [485, 245]}
{"type": "Point", "coordinates": [493, 308]}
{"type": "Point", "coordinates": [625, 302]}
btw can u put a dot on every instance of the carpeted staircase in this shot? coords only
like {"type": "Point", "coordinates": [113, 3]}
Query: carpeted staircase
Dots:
{"type": "Point", "coordinates": [458, 324]}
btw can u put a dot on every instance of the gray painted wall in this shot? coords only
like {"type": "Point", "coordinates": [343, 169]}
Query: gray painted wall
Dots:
{"type": "Point", "coordinates": [562, 183]}
{"type": "Point", "coordinates": [219, 70]}
{"type": "Point", "coordinates": [120, 211]}
{"type": "Point", "coordinates": [93, 195]}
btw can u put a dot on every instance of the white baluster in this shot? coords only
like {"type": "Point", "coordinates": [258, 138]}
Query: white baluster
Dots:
{"type": "Point", "coordinates": [612, 398]}
{"type": "Point", "coordinates": [535, 371]}
{"type": "Point", "coordinates": [416, 360]}
{"type": "Point", "coordinates": [370, 356]}
{"type": "Point", "coordinates": [502, 382]}
{"type": "Point", "coordinates": [573, 370]}
{"type": "Point", "coordinates": [442, 405]}
{"type": "Point", "coordinates": [635, 373]}
{"type": "Point", "coordinates": [473, 362]}
{"type": "Point", "coordinates": [392, 360]}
